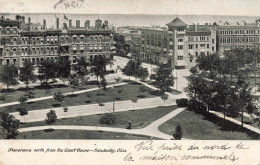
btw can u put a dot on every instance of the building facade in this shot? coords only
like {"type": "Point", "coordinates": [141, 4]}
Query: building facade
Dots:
{"type": "Point", "coordinates": [20, 41]}
{"type": "Point", "coordinates": [238, 35]}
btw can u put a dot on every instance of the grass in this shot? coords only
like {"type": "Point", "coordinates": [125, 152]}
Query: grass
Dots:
{"type": "Point", "coordinates": [139, 118]}
{"type": "Point", "coordinates": [196, 126]}
{"type": "Point", "coordinates": [79, 134]}
{"type": "Point", "coordinates": [128, 91]}
{"type": "Point", "coordinates": [13, 94]}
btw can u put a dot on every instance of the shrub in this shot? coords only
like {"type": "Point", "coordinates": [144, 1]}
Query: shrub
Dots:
{"type": "Point", "coordinates": [142, 89]}
{"type": "Point", "coordinates": [178, 132]}
{"type": "Point", "coordinates": [22, 111]}
{"type": "Point", "coordinates": [2, 98]}
{"type": "Point", "coordinates": [182, 102]}
{"type": "Point", "coordinates": [65, 109]}
{"type": "Point", "coordinates": [108, 119]}
{"type": "Point", "coordinates": [197, 107]}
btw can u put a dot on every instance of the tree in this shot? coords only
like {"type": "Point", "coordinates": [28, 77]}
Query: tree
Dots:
{"type": "Point", "coordinates": [164, 97]}
{"type": "Point", "coordinates": [22, 100]}
{"type": "Point", "coordinates": [245, 100]}
{"type": "Point", "coordinates": [98, 67]}
{"type": "Point", "coordinates": [27, 73]}
{"type": "Point", "coordinates": [63, 68]}
{"type": "Point", "coordinates": [143, 73]}
{"type": "Point", "coordinates": [47, 70]}
{"type": "Point", "coordinates": [51, 117]}
{"type": "Point", "coordinates": [178, 132]}
{"type": "Point", "coordinates": [74, 82]}
{"type": "Point", "coordinates": [81, 67]}
{"type": "Point", "coordinates": [9, 124]}
{"type": "Point", "coordinates": [132, 68]}
{"type": "Point", "coordinates": [58, 97]}
{"type": "Point", "coordinates": [163, 77]}
{"type": "Point", "coordinates": [9, 75]}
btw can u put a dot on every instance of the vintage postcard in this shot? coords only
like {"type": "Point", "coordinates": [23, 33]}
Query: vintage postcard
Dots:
{"type": "Point", "coordinates": [129, 82]}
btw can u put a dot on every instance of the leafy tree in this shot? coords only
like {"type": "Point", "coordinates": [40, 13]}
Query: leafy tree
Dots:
{"type": "Point", "coordinates": [81, 67]}
{"type": "Point", "coordinates": [9, 75]}
{"type": "Point", "coordinates": [23, 99]}
{"type": "Point", "coordinates": [47, 70]}
{"type": "Point", "coordinates": [98, 67]}
{"type": "Point", "coordinates": [132, 68]}
{"type": "Point", "coordinates": [163, 77]}
{"type": "Point", "coordinates": [245, 100]}
{"type": "Point", "coordinates": [26, 74]}
{"type": "Point", "coordinates": [63, 68]}
{"type": "Point", "coordinates": [51, 117]}
{"type": "Point", "coordinates": [178, 132]}
{"type": "Point", "coordinates": [58, 97]}
{"type": "Point", "coordinates": [74, 82]}
{"type": "Point", "coordinates": [143, 73]}
{"type": "Point", "coordinates": [9, 124]}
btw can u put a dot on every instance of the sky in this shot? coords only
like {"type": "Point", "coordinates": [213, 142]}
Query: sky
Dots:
{"type": "Point", "coordinates": [181, 7]}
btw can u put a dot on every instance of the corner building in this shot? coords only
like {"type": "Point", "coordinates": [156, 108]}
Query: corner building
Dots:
{"type": "Point", "coordinates": [20, 41]}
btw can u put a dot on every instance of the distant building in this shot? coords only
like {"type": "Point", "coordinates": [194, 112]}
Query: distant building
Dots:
{"type": "Point", "coordinates": [20, 41]}
{"type": "Point", "coordinates": [241, 35]}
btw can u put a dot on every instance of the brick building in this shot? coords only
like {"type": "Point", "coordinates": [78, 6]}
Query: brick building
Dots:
{"type": "Point", "coordinates": [20, 41]}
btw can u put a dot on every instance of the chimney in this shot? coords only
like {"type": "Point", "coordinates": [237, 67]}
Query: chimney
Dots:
{"type": "Point", "coordinates": [206, 24]}
{"type": "Point", "coordinates": [29, 20]}
{"type": "Point", "coordinates": [106, 23]}
{"type": "Point", "coordinates": [57, 23]}
{"type": "Point", "coordinates": [196, 27]}
{"type": "Point", "coordinates": [77, 23]}
{"type": "Point", "coordinates": [65, 25]}
{"type": "Point", "coordinates": [44, 24]}
{"type": "Point", "coordinates": [87, 24]}
{"type": "Point", "coordinates": [70, 23]}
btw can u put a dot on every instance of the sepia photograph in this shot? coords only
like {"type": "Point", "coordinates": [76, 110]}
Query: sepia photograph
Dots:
{"type": "Point", "coordinates": [142, 70]}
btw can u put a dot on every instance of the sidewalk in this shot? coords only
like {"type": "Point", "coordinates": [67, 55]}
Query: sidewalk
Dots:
{"type": "Point", "coordinates": [50, 97]}
{"type": "Point", "coordinates": [92, 109]}
{"type": "Point", "coordinates": [150, 130]}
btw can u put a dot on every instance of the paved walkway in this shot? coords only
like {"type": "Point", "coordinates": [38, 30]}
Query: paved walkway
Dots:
{"type": "Point", "coordinates": [150, 130]}
{"type": "Point", "coordinates": [50, 97]}
{"type": "Point", "coordinates": [92, 109]}
{"type": "Point", "coordinates": [254, 129]}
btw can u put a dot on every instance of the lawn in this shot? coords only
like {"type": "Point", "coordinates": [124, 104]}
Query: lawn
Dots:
{"type": "Point", "coordinates": [79, 134]}
{"type": "Point", "coordinates": [13, 94]}
{"type": "Point", "coordinates": [124, 92]}
{"type": "Point", "coordinates": [139, 118]}
{"type": "Point", "coordinates": [197, 127]}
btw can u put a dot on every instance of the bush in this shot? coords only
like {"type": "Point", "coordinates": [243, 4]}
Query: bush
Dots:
{"type": "Point", "coordinates": [108, 119]}
{"type": "Point", "coordinates": [2, 98]}
{"type": "Point", "coordinates": [182, 102]}
{"type": "Point", "coordinates": [178, 132]}
{"type": "Point", "coordinates": [197, 107]}
{"type": "Point", "coordinates": [22, 111]}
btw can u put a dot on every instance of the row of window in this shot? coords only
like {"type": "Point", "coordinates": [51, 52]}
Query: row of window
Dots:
{"type": "Point", "coordinates": [239, 39]}
{"type": "Point", "coordinates": [201, 38]}
{"type": "Point", "coordinates": [240, 31]}
{"type": "Point", "coordinates": [197, 46]}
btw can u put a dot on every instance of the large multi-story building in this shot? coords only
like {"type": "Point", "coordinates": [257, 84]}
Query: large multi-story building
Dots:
{"type": "Point", "coordinates": [240, 35]}
{"type": "Point", "coordinates": [20, 41]}
{"type": "Point", "coordinates": [178, 45]}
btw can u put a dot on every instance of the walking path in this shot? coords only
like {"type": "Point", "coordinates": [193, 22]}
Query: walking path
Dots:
{"type": "Point", "coordinates": [254, 129]}
{"type": "Point", "coordinates": [92, 109]}
{"type": "Point", "coordinates": [150, 130]}
{"type": "Point", "coordinates": [50, 97]}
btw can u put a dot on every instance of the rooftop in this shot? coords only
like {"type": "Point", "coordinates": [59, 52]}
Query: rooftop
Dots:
{"type": "Point", "coordinates": [176, 22]}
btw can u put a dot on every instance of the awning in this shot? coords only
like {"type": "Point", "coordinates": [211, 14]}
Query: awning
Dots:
{"type": "Point", "coordinates": [81, 48]}
{"type": "Point", "coordinates": [100, 48]}
{"type": "Point", "coordinates": [95, 48]}
{"type": "Point", "coordinates": [56, 39]}
{"type": "Point", "coordinates": [181, 63]}
{"type": "Point", "coordinates": [74, 48]}
{"type": "Point", "coordinates": [90, 48]}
